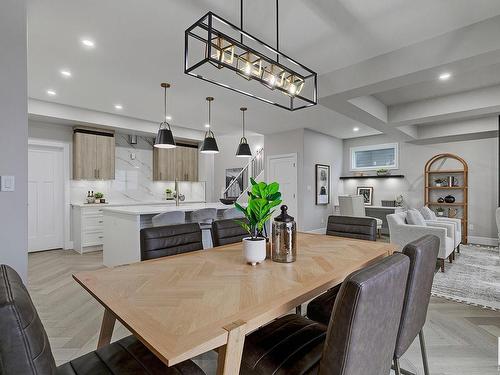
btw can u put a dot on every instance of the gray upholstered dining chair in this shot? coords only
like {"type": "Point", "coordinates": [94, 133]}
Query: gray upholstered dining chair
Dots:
{"type": "Point", "coordinates": [169, 218]}
{"type": "Point", "coordinates": [225, 232]}
{"type": "Point", "coordinates": [158, 242]}
{"type": "Point", "coordinates": [355, 206]}
{"type": "Point", "coordinates": [361, 228]}
{"type": "Point", "coordinates": [232, 213]}
{"type": "Point", "coordinates": [205, 217]}
{"type": "Point", "coordinates": [25, 348]}
{"type": "Point", "coordinates": [423, 254]}
{"type": "Point", "coordinates": [359, 339]}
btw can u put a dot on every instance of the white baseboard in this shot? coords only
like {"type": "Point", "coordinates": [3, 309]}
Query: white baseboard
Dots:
{"type": "Point", "coordinates": [483, 241]}
{"type": "Point", "coordinates": [317, 231]}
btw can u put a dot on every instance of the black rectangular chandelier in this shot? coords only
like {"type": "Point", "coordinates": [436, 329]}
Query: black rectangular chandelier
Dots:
{"type": "Point", "coordinates": [214, 47]}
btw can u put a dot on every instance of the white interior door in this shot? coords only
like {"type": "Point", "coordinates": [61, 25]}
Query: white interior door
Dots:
{"type": "Point", "coordinates": [45, 198]}
{"type": "Point", "coordinates": [283, 169]}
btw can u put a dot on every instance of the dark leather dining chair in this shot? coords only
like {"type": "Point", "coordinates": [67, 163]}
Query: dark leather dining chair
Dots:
{"type": "Point", "coordinates": [225, 232]}
{"type": "Point", "coordinates": [361, 228]}
{"type": "Point", "coordinates": [359, 339]}
{"type": "Point", "coordinates": [25, 348]}
{"type": "Point", "coordinates": [169, 240]}
{"type": "Point", "coordinates": [423, 254]}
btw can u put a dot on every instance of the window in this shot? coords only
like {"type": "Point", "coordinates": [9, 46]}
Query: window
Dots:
{"type": "Point", "coordinates": [374, 157]}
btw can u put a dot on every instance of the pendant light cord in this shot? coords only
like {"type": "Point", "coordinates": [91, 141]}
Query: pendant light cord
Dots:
{"type": "Point", "coordinates": [165, 104]}
{"type": "Point", "coordinates": [243, 124]}
{"type": "Point", "coordinates": [277, 32]}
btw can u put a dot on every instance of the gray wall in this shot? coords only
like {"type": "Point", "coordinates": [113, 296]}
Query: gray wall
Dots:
{"type": "Point", "coordinates": [481, 156]}
{"type": "Point", "coordinates": [319, 149]}
{"type": "Point", "coordinates": [14, 130]}
{"type": "Point", "coordinates": [311, 148]}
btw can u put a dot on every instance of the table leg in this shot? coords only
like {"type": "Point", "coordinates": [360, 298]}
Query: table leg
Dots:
{"type": "Point", "coordinates": [107, 326]}
{"type": "Point", "coordinates": [229, 358]}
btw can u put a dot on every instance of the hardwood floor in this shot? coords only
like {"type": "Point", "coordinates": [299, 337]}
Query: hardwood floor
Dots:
{"type": "Point", "coordinates": [461, 339]}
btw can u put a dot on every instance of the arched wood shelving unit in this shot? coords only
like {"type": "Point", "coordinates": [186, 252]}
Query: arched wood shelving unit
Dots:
{"type": "Point", "coordinates": [432, 172]}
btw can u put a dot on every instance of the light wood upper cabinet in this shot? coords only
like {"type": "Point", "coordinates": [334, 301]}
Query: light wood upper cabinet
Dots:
{"type": "Point", "coordinates": [93, 155]}
{"type": "Point", "coordinates": [180, 163]}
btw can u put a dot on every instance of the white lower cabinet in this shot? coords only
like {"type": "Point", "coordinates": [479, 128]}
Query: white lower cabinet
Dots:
{"type": "Point", "coordinates": [88, 228]}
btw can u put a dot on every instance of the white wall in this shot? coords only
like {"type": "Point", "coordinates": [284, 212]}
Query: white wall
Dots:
{"type": "Point", "coordinates": [14, 139]}
{"type": "Point", "coordinates": [481, 156]}
{"type": "Point", "coordinates": [227, 159]}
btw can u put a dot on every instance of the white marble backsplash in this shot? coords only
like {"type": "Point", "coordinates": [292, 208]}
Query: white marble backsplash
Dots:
{"type": "Point", "coordinates": [133, 181]}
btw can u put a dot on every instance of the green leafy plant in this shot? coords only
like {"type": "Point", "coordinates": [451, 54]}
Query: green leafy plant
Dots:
{"type": "Point", "coordinates": [440, 181]}
{"type": "Point", "coordinates": [261, 201]}
{"type": "Point", "coordinates": [98, 195]}
{"type": "Point", "coordinates": [168, 191]}
{"type": "Point", "coordinates": [440, 209]}
{"type": "Point", "coordinates": [382, 171]}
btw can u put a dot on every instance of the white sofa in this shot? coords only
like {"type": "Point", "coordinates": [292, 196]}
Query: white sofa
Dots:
{"type": "Point", "coordinates": [402, 233]}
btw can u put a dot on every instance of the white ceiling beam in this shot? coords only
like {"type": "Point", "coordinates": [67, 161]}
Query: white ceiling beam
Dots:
{"type": "Point", "coordinates": [60, 113]}
{"type": "Point", "coordinates": [474, 103]}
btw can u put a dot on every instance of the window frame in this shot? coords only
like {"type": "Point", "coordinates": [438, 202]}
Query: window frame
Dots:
{"type": "Point", "coordinates": [394, 146]}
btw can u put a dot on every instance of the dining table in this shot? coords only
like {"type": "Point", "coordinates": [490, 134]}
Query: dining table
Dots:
{"type": "Point", "coordinates": [184, 305]}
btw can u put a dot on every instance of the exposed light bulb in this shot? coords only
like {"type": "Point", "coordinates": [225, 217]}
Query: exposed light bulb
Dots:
{"type": "Point", "coordinates": [272, 80]}
{"type": "Point", "coordinates": [248, 68]}
{"type": "Point", "coordinates": [292, 89]}
{"type": "Point", "coordinates": [168, 117]}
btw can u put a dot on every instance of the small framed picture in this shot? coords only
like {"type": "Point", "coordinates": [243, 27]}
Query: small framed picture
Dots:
{"type": "Point", "coordinates": [322, 184]}
{"type": "Point", "coordinates": [367, 193]}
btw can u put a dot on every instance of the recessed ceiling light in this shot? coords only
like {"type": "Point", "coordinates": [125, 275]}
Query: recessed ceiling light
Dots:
{"type": "Point", "coordinates": [118, 106]}
{"type": "Point", "coordinates": [207, 125]}
{"type": "Point", "coordinates": [355, 129]}
{"type": "Point", "coordinates": [88, 43]}
{"type": "Point", "coordinates": [51, 92]}
{"type": "Point", "coordinates": [65, 73]}
{"type": "Point", "coordinates": [168, 118]}
{"type": "Point", "coordinates": [444, 76]}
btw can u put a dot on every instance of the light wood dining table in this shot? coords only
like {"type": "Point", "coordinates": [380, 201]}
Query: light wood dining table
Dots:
{"type": "Point", "coordinates": [185, 305]}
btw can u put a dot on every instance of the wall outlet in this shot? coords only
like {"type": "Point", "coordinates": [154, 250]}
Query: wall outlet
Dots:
{"type": "Point", "coordinates": [7, 183]}
{"type": "Point", "coordinates": [132, 156]}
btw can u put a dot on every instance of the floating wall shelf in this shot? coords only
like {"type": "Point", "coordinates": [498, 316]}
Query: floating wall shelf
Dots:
{"type": "Point", "coordinates": [375, 176]}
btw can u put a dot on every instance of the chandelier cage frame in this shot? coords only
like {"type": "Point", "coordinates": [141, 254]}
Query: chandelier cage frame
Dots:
{"type": "Point", "coordinates": [222, 55]}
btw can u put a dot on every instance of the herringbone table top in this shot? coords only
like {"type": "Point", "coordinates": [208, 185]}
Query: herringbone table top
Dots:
{"type": "Point", "coordinates": [182, 306]}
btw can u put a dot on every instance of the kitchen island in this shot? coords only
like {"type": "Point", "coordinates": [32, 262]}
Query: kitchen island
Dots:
{"type": "Point", "coordinates": [122, 227]}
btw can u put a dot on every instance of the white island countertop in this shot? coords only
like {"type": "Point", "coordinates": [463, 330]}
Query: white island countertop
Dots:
{"type": "Point", "coordinates": [159, 208]}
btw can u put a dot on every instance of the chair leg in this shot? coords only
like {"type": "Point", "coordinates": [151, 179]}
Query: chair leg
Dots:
{"type": "Point", "coordinates": [397, 368]}
{"type": "Point", "coordinates": [423, 351]}
{"type": "Point", "coordinates": [450, 258]}
{"type": "Point", "coordinates": [458, 249]}
{"type": "Point", "coordinates": [441, 262]}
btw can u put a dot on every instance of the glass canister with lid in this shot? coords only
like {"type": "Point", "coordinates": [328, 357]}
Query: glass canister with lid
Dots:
{"type": "Point", "coordinates": [284, 238]}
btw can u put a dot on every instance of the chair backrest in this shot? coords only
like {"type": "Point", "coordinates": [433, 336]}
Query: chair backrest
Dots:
{"type": "Point", "coordinates": [204, 215]}
{"type": "Point", "coordinates": [169, 240]}
{"type": "Point", "coordinates": [352, 205]}
{"type": "Point", "coordinates": [227, 231]}
{"type": "Point", "coordinates": [24, 346]}
{"type": "Point", "coordinates": [393, 220]}
{"type": "Point", "coordinates": [362, 228]}
{"type": "Point", "coordinates": [232, 213]}
{"type": "Point", "coordinates": [169, 218]}
{"type": "Point", "coordinates": [365, 320]}
{"type": "Point", "coordinates": [423, 255]}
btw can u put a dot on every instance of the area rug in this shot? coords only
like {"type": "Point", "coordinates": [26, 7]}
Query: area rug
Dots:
{"type": "Point", "coordinates": [473, 278]}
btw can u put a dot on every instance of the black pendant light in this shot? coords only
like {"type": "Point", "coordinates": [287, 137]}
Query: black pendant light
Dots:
{"type": "Point", "coordinates": [243, 150]}
{"type": "Point", "coordinates": [165, 138]}
{"type": "Point", "coordinates": [209, 145]}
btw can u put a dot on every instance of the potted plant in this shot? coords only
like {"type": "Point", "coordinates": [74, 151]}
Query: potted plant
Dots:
{"type": "Point", "coordinates": [100, 197]}
{"type": "Point", "coordinates": [440, 182]}
{"type": "Point", "coordinates": [382, 172]}
{"type": "Point", "coordinates": [168, 193]}
{"type": "Point", "coordinates": [440, 211]}
{"type": "Point", "coordinates": [261, 201]}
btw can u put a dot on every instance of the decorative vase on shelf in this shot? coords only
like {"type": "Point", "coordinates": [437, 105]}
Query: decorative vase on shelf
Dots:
{"type": "Point", "coordinates": [440, 200]}
{"type": "Point", "coordinates": [449, 199]}
{"type": "Point", "coordinates": [254, 250]}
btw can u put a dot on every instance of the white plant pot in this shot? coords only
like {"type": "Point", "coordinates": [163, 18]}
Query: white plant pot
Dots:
{"type": "Point", "coordinates": [440, 213]}
{"type": "Point", "coordinates": [254, 250]}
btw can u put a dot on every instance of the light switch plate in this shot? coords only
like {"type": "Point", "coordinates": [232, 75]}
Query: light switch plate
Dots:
{"type": "Point", "coordinates": [7, 183]}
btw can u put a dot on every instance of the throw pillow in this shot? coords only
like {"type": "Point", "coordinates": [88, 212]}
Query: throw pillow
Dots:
{"type": "Point", "coordinates": [414, 217]}
{"type": "Point", "coordinates": [427, 213]}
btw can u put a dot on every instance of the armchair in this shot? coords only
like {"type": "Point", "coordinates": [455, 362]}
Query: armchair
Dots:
{"type": "Point", "coordinates": [402, 233]}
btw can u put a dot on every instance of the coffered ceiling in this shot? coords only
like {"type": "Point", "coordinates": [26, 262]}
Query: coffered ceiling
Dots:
{"type": "Point", "coordinates": [140, 44]}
